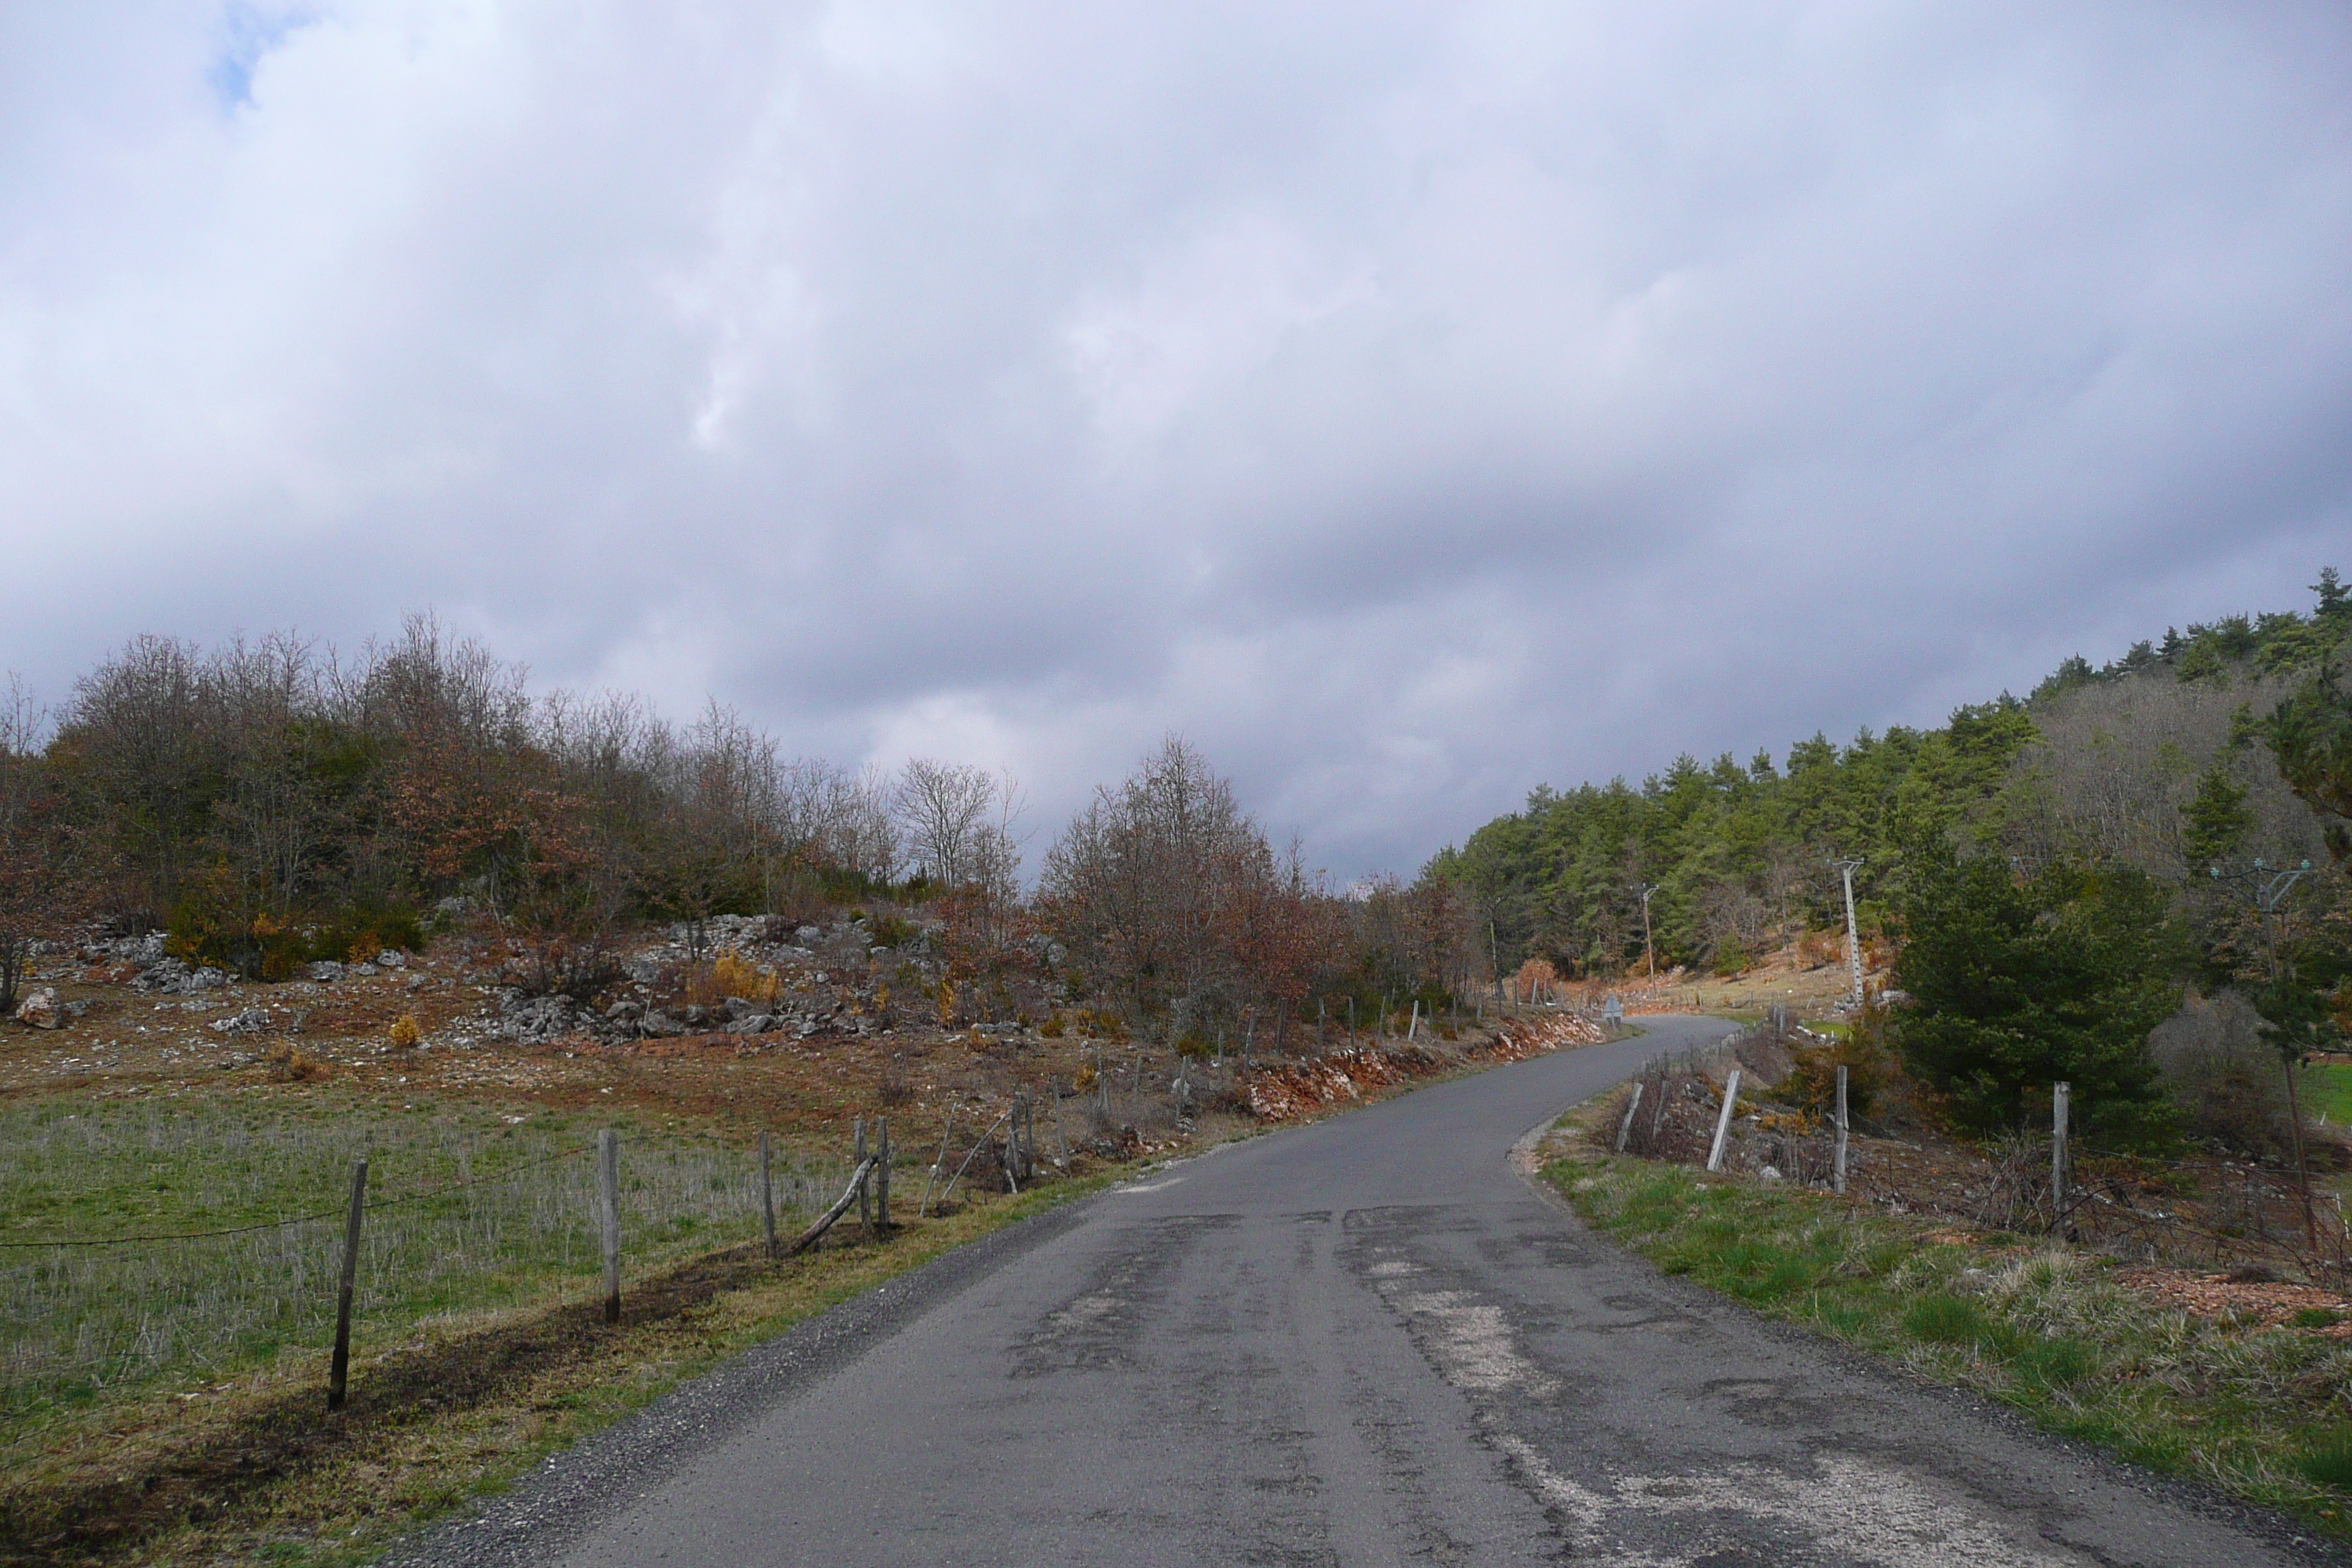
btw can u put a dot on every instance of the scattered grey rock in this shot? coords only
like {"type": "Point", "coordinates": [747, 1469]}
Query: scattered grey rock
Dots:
{"type": "Point", "coordinates": [808, 936]}
{"type": "Point", "coordinates": [626, 1011]}
{"type": "Point", "coordinates": [145, 951]}
{"type": "Point", "coordinates": [392, 958]}
{"type": "Point", "coordinates": [753, 1024]}
{"type": "Point", "coordinates": [533, 1020]}
{"type": "Point", "coordinates": [326, 969]}
{"type": "Point", "coordinates": [658, 1025]}
{"type": "Point", "coordinates": [171, 977]}
{"type": "Point", "coordinates": [363, 971]}
{"type": "Point", "coordinates": [248, 1021]}
{"type": "Point", "coordinates": [643, 968]}
{"type": "Point", "coordinates": [39, 1009]}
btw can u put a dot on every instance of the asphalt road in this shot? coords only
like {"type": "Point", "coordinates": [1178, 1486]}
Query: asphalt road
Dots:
{"type": "Point", "coordinates": [1367, 1340]}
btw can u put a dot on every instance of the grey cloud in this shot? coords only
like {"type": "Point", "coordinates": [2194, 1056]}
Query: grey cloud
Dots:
{"type": "Point", "coordinates": [1410, 404]}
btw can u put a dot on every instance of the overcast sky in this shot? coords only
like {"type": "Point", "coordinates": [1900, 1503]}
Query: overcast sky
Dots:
{"type": "Point", "coordinates": [1411, 404]}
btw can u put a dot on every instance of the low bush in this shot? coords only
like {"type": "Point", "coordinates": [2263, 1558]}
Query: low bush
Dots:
{"type": "Point", "coordinates": [1862, 1050]}
{"type": "Point", "coordinates": [219, 925]}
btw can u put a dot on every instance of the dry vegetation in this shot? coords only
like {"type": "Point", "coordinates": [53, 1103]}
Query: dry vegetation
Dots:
{"type": "Point", "coordinates": [2177, 1309]}
{"type": "Point", "coordinates": [265, 910]}
{"type": "Point", "coordinates": [162, 1401]}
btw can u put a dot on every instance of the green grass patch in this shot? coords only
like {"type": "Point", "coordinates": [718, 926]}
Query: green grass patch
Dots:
{"type": "Point", "coordinates": [2325, 1089]}
{"type": "Point", "coordinates": [2264, 1413]}
{"type": "Point", "coordinates": [472, 1208]}
{"type": "Point", "coordinates": [2330, 1467]}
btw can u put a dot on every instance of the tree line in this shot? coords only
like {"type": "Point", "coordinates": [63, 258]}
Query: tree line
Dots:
{"type": "Point", "coordinates": [2054, 873]}
{"type": "Point", "coordinates": [267, 803]}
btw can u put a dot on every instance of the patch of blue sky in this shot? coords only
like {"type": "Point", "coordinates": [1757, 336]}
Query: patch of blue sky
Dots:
{"type": "Point", "coordinates": [247, 33]}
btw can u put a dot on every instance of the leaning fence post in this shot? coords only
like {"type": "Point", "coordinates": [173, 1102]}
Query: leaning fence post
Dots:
{"type": "Point", "coordinates": [338, 1370]}
{"type": "Point", "coordinates": [1723, 1123]}
{"type": "Point", "coordinates": [767, 1198]}
{"type": "Point", "coordinates": [1625, 1128]}
{"type": "Point", "coordinates": [1837, 1169]}
{"type": "Point", "coordinates": [923, 1209]}
{"type": "Point", "coordinates": [882, 1178]}
{"type": "Point", "coordinates": [2060, 1094]}
{"type": "Point", "coordinates": [1412, 1030]}
{"type": "Point", "coordinates": [608, 1184]}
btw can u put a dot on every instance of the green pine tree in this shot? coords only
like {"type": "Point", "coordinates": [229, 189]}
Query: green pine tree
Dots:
{"type": "Point", "coordinates": [2018, 983]}
{"type": "Point", "coordinates": [2215, 821]}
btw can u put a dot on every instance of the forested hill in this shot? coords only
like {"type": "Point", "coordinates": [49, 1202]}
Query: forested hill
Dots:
{"type": "Point", "coordinates": [2159, 758]}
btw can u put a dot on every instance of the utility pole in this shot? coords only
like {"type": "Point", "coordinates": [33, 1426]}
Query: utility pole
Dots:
{"type": "Point", "coordinates": [1495, 960]}
{"type": "Point", "coordinates": [1846, 869]}
{"type": "Point", "coordinates": [1649, 954]}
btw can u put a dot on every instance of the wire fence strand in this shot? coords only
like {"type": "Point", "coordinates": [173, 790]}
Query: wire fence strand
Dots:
{"type": "Point", "coordinates": [337, 1213]}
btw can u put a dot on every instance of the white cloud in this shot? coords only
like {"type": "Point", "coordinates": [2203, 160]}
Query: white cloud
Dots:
{"type": "Point", "coordinates": [1408, 405]}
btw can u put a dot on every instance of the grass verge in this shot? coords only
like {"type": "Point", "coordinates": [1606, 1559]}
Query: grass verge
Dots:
{"type": "Point", "coordinates": [458, 1411]}
{"type": "Point", "coordinates": [2260, 1411]}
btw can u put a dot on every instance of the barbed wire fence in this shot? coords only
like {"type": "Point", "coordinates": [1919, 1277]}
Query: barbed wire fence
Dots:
{"type": "Point", "coordinates": [2216, 1212]}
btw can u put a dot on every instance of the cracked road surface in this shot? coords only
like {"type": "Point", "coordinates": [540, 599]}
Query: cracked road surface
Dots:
{"type": "Point", "coordinates": [1367, 1340]}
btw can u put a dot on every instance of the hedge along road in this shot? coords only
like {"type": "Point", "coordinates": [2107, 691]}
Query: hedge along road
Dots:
{"type": "Point", "coordinates": [1363, 1341]}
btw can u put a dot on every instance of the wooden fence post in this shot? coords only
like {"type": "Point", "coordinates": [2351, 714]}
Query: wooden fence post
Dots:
{"type": "Point", "coordinates": [2302, 1165]}
{"type": "Point", "coordinates": [338, 1370]}
{"type": "Point", "coordinates": [2060, 1094]}
{"type": "Point", "coordinates": [1723, 1123]}
{"type": "Point", "coordinates": [608, 1184]}
{"type": "Point", "coordinates": [865, 1187]}
{"type": "Point", "coordinates": [767, 1198]}
{"type": "Point", "coordinates": [1837, 1175]}
{"type": "Point", "coordinates": [882, 1178]}
{"type": "Point", "coordinates": [1625, 1128]}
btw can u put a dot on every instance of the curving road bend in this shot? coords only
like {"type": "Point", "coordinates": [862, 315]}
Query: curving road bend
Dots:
{"type": "Point", "coordinates": [1366, 1340]}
